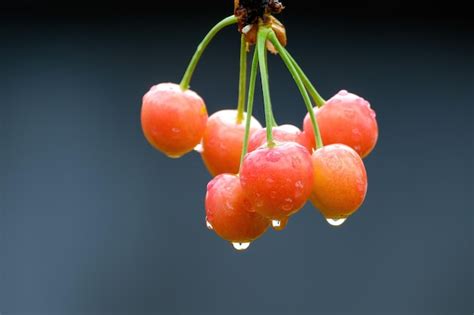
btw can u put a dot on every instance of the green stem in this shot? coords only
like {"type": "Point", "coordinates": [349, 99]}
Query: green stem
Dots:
{"type": "Point", "coordinates": [253, 79]}
{"type": "Point", "coordinates": [299, 82]}
{"type": "Point", "coordinates": [312, 90]}
{"type": "Point", "coordinates": [263, 33]}
{"type": "Point", "coordinates": [202, 46]}
{"type": "Point", "coordinates": [242, 79]}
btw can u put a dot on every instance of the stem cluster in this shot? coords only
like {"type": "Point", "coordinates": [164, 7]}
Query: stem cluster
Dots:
{"type": "Point", "coordinates": [265, 34]}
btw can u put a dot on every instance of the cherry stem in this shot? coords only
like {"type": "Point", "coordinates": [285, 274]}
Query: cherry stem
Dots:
{"type": "Point", "coordinates": [242, 79]}
{"type": "Point", "coordinates": [202, 46]}
{"type": "Point", "coordinates": [274, 123]}
{"type": "Point", "coordinates": [250, 99]}
{"type": "Point", "coordinates": [262, 36]}
{"type": "Point", "coordinates": [307, 83]}
{"type": "Point", "coordinates": [299, 82]}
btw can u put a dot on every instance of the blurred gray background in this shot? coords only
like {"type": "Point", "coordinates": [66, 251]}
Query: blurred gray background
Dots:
{"type": "Point", "coordinates": [94, 221]}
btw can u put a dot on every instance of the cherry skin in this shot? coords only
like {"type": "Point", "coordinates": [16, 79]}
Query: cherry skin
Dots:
{"type": "Point", "coordinates": [277, 180]}
{"type": "Point", "coordinates": [283, 133]}
{"type": "Point", "coordinates": [340, 181]}
{"type": "Point", "coordinates": [348, 119]}
{"type": "Point", "coordinates": [230, 213]}
{"type": "Point", "coordinates": [223, 141]}
{"type": "Point", "coordinates": [173, 120]}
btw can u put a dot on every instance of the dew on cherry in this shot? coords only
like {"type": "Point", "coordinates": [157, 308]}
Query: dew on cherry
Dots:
{"type": "Point", "coordinates": [209, 225]}
{"type": "Point", "coordinates": [241, 246]}
{"type": "Point", "coordinates": [176, 130]}
{"type": "Point", "coordinates": [336, 222]}
{"type": "Point", "coordinates": [288, 205]}
{"type": "Point", "coordinates": [273, 194]}
{"type": "Point", "coordinates": [229, 205]}
{"type": "Point", "coordinates": [349, 112]}
{"type": "Point", "coordinates": [273, 156]}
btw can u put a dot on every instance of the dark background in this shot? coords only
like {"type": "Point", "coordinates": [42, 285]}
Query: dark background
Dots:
{"type": "Point", "coordinates": [94, 221]}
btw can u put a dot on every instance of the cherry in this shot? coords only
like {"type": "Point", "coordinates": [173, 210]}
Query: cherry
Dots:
{"type": "Point", "coordinates": [283, 133]}
{"type": "Point", "coordinates": [278, 180]}
{"type": "Point", "coordinates": [348, 119]}
{"type": "Point", "coordinates": [223, 141]}
{"type": "Point", "coordinates": [340, 181]}
{"type": "Point", "coordinates": [173, 120]}
{"type": "Point", "coordinates": [230, 213]}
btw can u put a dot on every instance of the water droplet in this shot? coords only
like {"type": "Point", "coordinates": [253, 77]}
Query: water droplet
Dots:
{"type": "Point", "coordinates": [295, 161]}
{"type": "Point", "coordinates": [171, 156]}
{"type": "Point", "coordinates": [209, 225]}
{"type": "Point", "coordinates": [279, 225]}
{"type": "Point", "coordinates": [343, 92]}
{"type": "Point", "coordinates": [229, 205]}
{"type": "Point", "coordinates": [349, 113]}
{"type": "Point", "coordinates": [357, 148]}
{"type": "Point", "coordinates": [176, 130]}
{"type": "Point", "coordinates": [273, 194]}
{"type": "Point", "coordinates": [336, 222]}
{"type": "Point", "coordinates": [241, 246]}
{"type": "Point", "coordinates": [273, 156]}
{"type": "Point", "coordinates": [199, 149]}
{"type": "Point", "coordinates": [288, 205]}
{"type": "Point", "coordinates": [373, 114]}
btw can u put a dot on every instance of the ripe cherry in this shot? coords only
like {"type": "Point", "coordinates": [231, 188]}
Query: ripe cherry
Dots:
{"type": "Point", "coordinates": [223, 141]}
{"type": "Point", "coordinates": [173, 120]}
{"type": "Point", "coordinates": [340, 181]}
{"type": "Point", "coordinates": [278, 180]}
{"type": "Point", "coordinates": [283, 133]}
{"type": "Point", "coordinates": [230, 213]}
{"type": "Point", "coordinates": [348, 119]}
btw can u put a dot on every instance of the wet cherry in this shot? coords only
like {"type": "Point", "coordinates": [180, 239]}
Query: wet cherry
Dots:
{"type": "Point", "coordinates": [283, 133]}
{"type": "Point", "coordinates": [173, 120]}
{"type": "Point", "coordinates": [230, 212]}
{"type": "Point", "coordinates": [348, 119]}
{"type": "Point", "coordinates": [223, 140]}
{"type": "Point", "coordinates": [277, 180]}
{"type": "Point", "coordinates": [340, 181]}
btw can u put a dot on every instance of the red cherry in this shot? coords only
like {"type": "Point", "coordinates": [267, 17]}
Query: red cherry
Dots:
{"type": "Point", "coordinates": [230, 213]}
{"type": "Point", "coordinates": [223, 141]}
{"type": "Point", "coordinates": [348, 119]}
{"type": "Point", "coordinates": [277, 180]}
{"type": "Point", "coordinates": [173, 120]}
{"type": "Point", "coordinates": [340, 181]}
{"type": "Point", "coordinates": [283, 133]}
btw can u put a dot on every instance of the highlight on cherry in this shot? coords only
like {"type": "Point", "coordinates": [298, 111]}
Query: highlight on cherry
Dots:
{"type": "Point", "coordinates": [264, 173]}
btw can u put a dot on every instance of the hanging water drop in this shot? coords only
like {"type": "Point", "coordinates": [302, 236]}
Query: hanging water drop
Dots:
{"type": "Point", "coordinates": [209, 225]}
{"type": "Point", "coordinates": [279, 225]}
{"type": "Point", "coordinates": [336, 222]}
{"type": "Point", "coordinates": [199, 149]}
{"type": "Point", "coordinates": [241, 246]}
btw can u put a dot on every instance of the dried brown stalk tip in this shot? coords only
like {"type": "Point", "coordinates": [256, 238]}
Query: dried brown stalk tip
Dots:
{"type": "Point", "coordinates": [250, 12]}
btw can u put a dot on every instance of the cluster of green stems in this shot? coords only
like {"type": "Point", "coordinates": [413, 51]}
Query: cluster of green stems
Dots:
{"type": "Point", "coordinates": [259, 62]}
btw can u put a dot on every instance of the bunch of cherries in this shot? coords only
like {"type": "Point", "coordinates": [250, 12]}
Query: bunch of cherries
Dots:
{"type": "Point", "coordinates": [263, 176]}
